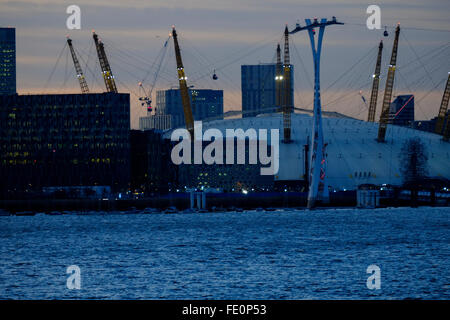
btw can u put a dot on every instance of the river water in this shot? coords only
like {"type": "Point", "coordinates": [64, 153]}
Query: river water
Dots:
{"type": "Point", "coordinates": [322, 254]}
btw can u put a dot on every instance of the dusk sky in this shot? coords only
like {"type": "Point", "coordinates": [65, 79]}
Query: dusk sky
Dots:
{"type": "Point", "coordinates": [223, 35]}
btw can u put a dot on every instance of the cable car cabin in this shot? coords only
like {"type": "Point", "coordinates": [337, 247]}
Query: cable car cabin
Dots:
{"type": "Point", "coordinates": [385, 33]}
{"type": "Point", "coordinates": [214, 76]}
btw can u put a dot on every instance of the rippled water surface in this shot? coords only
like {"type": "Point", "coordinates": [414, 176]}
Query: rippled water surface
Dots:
{"type": "Point", "coordinates": [252, 255]}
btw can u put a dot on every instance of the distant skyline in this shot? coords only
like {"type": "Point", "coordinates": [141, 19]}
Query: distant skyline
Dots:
{"type": "Point", "coordinates": [225, 34]}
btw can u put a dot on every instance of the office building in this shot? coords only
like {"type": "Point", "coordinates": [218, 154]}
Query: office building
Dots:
{"type": "Point", "coordinates": [205, 104]}
{"type": "Point", "coordinates": [402, 111]}
{"type": "Point", "coordinates": [258, 89]}
{"type": "Point", "coordinates": [7, 60]}
{"type": "Point", "coordinates": [64, 140]}
{"type": "Point", "coordinates": [152, 170]}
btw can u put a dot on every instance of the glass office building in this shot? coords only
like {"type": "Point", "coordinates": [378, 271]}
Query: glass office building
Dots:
{"type": "Point", "coordinates": [205, 103]}
{"type": "Point", "coordinates": [7, 61]}
{"type": "Point", "coordinates": [64, 140]}
{"type": "Point", "coordinates": [402, 111]}
{"type": "Point", "coordinates": [258, 89]}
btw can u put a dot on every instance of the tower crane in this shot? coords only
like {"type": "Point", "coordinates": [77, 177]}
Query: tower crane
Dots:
{"type": "Point", "coordinates": [108, 77]}
{"type": "Point", "coordinates": [443, 109]}
{"type": "Point", "coordinates": [146, 99]}
{"type": "Point", "coordinates": [384, 118]}
{"type": "Point", "coordinates": [78, 70]}
{"type": "Point", "coordinates": [375, 84]}
{"type": "Point", "coordinates": [287, 107]}
{"type": "Point", "coordinates": [186, 102]}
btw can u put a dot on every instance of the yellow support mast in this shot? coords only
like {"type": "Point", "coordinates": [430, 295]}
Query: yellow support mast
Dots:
{"type": "Point", "coordinates": [278, 80]}
{"type": "Point", "coordinates": [78, 70]}
{"type": "Point", "coordinates": [443, 109]}
{"type": "Point", "coordinates": [104, 65]}
{"type": "Point", "coordinates": [384, 118]}
{"type": "Point", "coordinates": [375, 85]}
{"type": "Point", "coordinates": [287, 107]}
{"type": "Point", "coordinates": [185, 100]}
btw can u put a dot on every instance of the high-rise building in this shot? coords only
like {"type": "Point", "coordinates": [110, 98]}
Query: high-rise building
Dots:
{"type": "Point", "coordinates": [152, 170]}
{"type": "Point", "coordinates": [258, 89]}
{"type": "Point", "coordinates": [401, 112]}
{"type": "Point", "coordinates": [64, 140]}
{"type": "Point", "coordinates": [205, 104]}
{"type": "Point", "coordinates": [7, 60]}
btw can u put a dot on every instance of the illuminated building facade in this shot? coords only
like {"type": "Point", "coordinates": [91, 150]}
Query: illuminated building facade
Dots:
{"type": "Point", "coordinates": [64, 140]}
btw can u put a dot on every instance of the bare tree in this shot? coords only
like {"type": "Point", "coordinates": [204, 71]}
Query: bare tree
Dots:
{"type": "Point", "coordinates": [413, 160]}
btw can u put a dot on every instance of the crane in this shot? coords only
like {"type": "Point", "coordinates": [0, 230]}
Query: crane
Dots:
{"type": "Point", "coordinates": [78, 70]}
{"type": "Point", "coordinates": [108, 77]}
{"type": "Point", "coordinates": [443, 109]}
{"type": "Point", "coordinates": [375, 84]}
{"type": "Point", "coordinates": [186, 102]}
{"type": "Point", "coordinates": [278, 80]}
{"type": "Point", "coordinates": [384, 118]}
{"type": "Point", "coordinates": [146, 99]}
{"type": "Point", "coordinates": [287, 107]}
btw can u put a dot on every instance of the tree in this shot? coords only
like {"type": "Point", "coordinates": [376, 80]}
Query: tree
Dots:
{"type": "Point", "coordinates": [413, 160]}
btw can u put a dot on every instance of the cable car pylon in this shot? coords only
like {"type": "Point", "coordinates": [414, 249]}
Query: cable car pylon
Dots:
{"type": "Point", "coordinates": [318, 188]}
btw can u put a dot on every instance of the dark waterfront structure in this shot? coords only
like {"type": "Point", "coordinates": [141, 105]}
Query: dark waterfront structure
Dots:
{"type": "Point", "coordinates": [224, 177]}
{"type": "Point", "coordinates": [430, 125]}
{"type": "Point", "coordinates": [152, 170]}
{"type": "Point", "coordinates": [7, 60]}
{"type": "Point", "coordinates": [258, 89]}
{"type": "Point", "coordinates": [64, 140]}
{"type": "Point", "coordinates": [205, 103]}
{"type": "Point", "coordinates": [402, 111]}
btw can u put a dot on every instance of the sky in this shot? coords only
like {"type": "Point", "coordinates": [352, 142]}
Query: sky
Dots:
{"type": "Point", "coordinates": [223, 35]}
